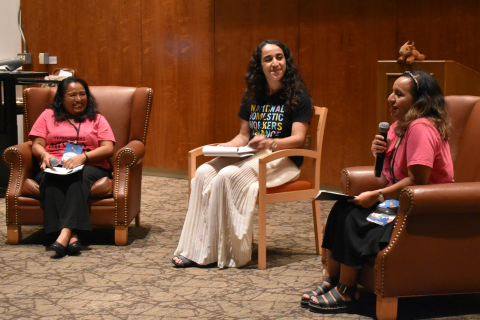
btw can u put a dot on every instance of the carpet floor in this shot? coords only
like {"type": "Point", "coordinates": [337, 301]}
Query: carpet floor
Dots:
{"type": "Point", "coordinates": [138, 281]}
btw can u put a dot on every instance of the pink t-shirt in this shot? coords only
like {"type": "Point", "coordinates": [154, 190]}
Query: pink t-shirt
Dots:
{"type": "Point", "coordinates": [422, 145]}
{"type": "Point", "coordinates": [57, 134]}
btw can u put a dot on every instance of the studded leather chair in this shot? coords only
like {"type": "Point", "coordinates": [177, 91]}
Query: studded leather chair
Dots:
{"type": "Point", "coordinates": [434, 246]}
{"type": "Point", "coordinates": [113, 202]}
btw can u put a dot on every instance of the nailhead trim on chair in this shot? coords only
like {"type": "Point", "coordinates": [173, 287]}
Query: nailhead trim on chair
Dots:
{"type": "Point", "coordinates": [25, 111]}
{"type": "Point", "coordinates": [150, 94]}
{"type": "Point", "coordinates": [17, 187]}
{"type": "Point", "coordinates": [348, 181]}
{"type": "Point", "coordinates": [404, 190]}
{"type": "Point", "coordinates": [126, 184]}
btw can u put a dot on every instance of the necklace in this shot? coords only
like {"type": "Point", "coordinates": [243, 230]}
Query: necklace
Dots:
{"type": "Point", "coordinates": [392, 161]}
{"type": "Point", "coordinates": [77, 130]}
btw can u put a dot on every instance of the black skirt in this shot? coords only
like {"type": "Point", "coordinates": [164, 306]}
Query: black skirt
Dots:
{"type": "Point", "coordinates": [350, 237]}
{"type": "Point", "coordinates": [65, 198]}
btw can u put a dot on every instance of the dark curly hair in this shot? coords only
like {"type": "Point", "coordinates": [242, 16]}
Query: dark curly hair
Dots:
{"type": "Point", "coordinates": [428, 101]}
{"type": "Point", "coordinates": [59, 111]}
{"type": "Point", "coordinates": [292, 82]}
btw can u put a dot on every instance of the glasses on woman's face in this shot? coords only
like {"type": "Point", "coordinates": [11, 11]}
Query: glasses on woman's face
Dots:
{"type": "Point", "coordinates": [72, 95]}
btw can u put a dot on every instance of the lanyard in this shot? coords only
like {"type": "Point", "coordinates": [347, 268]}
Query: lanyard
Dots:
{"type": "Point", "coordinates": [77, 130]}
{"type": "Point", "coordinates": [392, 161]}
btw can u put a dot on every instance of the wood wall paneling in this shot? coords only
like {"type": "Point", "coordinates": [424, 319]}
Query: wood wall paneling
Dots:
{"type": "Point", "coordinates": [101, 41]}
{"type": "Point", "coordinates": [442, 29]}
{"type": "Point", "coordinates": [239, 27]}
{"type": "Point", "coordinates": [194, 55]}
{"type": "Point", "coordinates": [340, 43]}
{"type": "Point", "coordinates": [178, 64]}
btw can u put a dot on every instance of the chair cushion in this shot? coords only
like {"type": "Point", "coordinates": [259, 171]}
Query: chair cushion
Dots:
{"type": "Point", "coordinates": [31, 189]}
{"type": "Point", "coordinates": [291, 186]}
{"type": "Point", "coordinates": [102, 188]}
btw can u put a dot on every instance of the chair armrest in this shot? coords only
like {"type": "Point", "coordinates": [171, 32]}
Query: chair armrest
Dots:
{"type": "Point", "coordinates": [127, 181]}
{"type": "Point", "coordinates": [192, 162]}
{"type": "Point", "coordinates": [130, 155]}
{"type": "Point", "coordinates": [441, 199]}
{"type": "Point", "coordinates": [286, 153]}
{"type": "Point", "coordinates": [19, 159]}
{"type": "Point", "coordinates": [199, 151]}
{"type": "Point", "coordinates": [262, 166]}
{"type": "Point", "coordinates": [435, 232]}
{"type": "Point", "coordinates": [356, 180]}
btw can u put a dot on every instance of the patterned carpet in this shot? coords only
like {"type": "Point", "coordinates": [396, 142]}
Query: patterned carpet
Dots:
{"type": "Point", "coordinates": [138, 281]}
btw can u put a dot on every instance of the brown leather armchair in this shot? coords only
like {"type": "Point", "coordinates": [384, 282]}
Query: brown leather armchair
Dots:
{"type": "Point", "coordinates": [434, 246]}
{"type": "Point", "coordinates": [113, 202]}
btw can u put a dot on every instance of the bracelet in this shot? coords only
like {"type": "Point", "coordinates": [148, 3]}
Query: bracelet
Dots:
{"type": "Point", "coordinates": [86, 158]}
{"type": "Point", "coordinates": [41, 157]}
{"type": "Point", "coordinates": [273, 145]}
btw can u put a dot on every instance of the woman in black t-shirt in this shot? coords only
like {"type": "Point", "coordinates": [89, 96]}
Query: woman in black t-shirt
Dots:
{"type": "Point", "coordinates": [275, 114]}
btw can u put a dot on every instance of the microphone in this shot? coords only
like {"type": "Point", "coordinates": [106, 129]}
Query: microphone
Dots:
{"type": "Point", "coordinates": [383, 130]}
{"type": "Point", "coordinates": [54, 162]}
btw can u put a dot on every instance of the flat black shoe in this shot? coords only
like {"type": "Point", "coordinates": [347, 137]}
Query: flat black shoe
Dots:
{"type": "Point", "coordinates": [59, 249]}
{"type": "Point", "coordinates": [187, 263]}
{"type": "Point", "coordinates": [74, 248]}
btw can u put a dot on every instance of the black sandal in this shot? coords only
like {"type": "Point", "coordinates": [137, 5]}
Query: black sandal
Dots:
{"type": "Point", "coordinates": [317, 292]}
{"type": "Point", "coordinates": [187, 263]}
{"type": "Point", "coordinates": [339, 305]}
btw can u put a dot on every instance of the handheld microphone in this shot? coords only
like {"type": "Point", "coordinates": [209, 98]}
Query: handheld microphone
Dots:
{"type": "Point", "coordinates": [54, 162]}
{"type": "Point", "coordinates": [383, 130]}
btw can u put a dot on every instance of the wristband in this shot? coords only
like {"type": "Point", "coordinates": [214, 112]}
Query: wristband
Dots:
{"type": "Point", "coordinates": [273, 144]}
{"type": "Point", "coordinates": [86, 157]}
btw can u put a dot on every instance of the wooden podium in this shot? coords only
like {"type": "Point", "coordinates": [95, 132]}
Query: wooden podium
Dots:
{"type": "Point", "coordinates": [454, 79]}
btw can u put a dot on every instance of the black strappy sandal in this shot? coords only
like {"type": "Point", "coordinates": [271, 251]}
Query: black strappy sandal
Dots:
{"type": "Point", "coordinates": [317, 292]}
{"type": "Point", "coordinates": [339, 305]}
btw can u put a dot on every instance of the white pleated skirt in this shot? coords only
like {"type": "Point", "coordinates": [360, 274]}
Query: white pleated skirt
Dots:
{"type": "Point", "coordinates": [218, 225]}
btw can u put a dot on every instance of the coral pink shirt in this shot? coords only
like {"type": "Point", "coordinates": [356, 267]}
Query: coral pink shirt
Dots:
{"type": "Point", "coordinates": [422, 145]}
{"type": "Point", "coordinates": [58, 134]}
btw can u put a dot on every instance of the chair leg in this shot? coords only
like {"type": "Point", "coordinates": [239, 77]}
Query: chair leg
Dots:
{"type": "Point", "coordinates": [137, 220]}
{"type": "Point", "coordinates": [14, 234]}
{"type": "Point", "coordinates": [317, 225]}
{"type": "Point", "coordinates": [387, 308]}
{"type": "Point", "coordinates": [121, 236]}
{"type": "Point", "coordinates": [262, 235]}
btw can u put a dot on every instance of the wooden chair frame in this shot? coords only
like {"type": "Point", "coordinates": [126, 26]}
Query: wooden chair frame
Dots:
{"type": "Point", "coordinates": [267, 195]}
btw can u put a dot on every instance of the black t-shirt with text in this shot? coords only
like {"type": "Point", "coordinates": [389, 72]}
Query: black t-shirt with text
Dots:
{"type": "Point", "coordinates": [270, 117]}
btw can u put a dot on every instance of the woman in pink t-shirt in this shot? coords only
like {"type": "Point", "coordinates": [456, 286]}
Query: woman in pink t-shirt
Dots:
{"type": "Point", "coordinates": [72, 121]}
{"type": "Point", "coordinates": [416, 153]}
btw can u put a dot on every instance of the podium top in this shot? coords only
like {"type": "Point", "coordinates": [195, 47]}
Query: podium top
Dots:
{"type": "Point", "coordinates": [21, 74]}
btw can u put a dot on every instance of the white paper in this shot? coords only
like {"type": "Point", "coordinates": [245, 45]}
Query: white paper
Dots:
{"type": "Point", "coordinates": [63, 171]}
{"type": "Point", "coordinates": [64, 73]}
{"type": "Point", "coordinates": [215, 151]}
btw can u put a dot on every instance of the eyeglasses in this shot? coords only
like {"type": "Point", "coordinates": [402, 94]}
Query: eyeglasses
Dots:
{"type": "Point", "coordinates": [74, 95]}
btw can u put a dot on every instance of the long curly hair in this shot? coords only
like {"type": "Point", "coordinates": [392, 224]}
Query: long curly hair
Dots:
{"type": "Point", "coordinates": [428, 101]}
{"type": "Point", "coordinates": [292, 82]}
{"type": "Point", "coordinates": [59, 111]}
